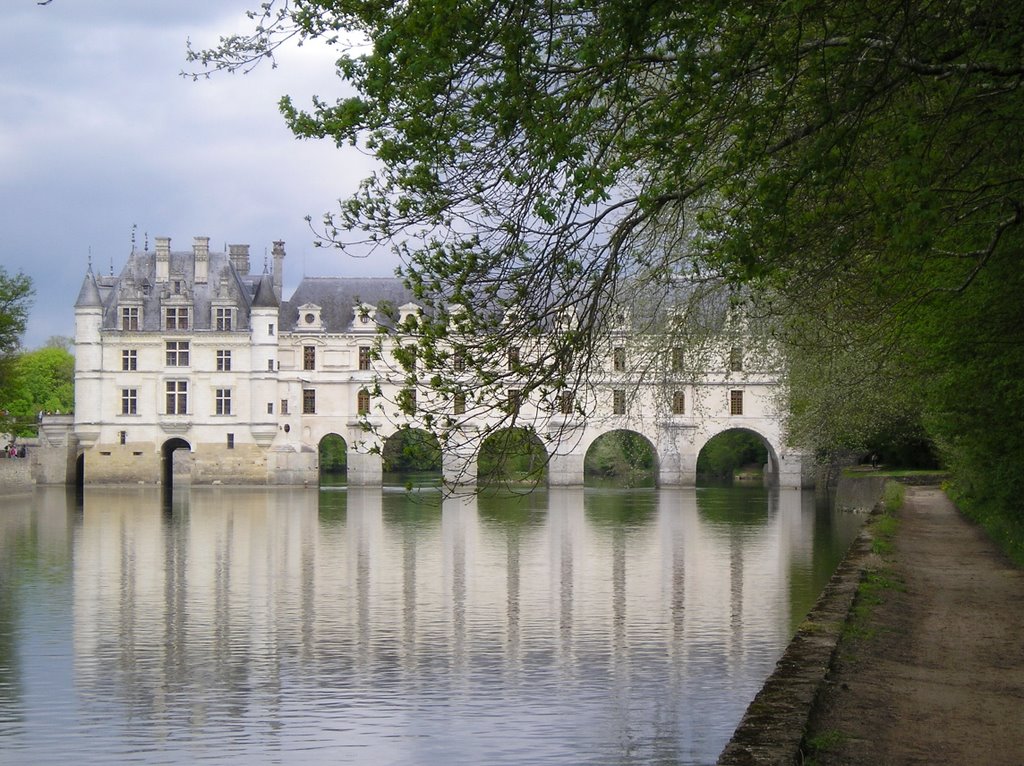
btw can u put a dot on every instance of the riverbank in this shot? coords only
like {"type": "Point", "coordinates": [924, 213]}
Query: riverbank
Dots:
{"type": "Point", "coordinates": [926, 666]}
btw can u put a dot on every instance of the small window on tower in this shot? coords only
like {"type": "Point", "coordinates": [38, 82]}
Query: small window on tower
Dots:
{"type": "Point", "coordinates": [619, 359]}
{"type": "Point", "coordinates": [618, 402]}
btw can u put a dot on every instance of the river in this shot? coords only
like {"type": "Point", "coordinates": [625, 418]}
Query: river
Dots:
{"type": "Point", "coordinates": [368, 626]}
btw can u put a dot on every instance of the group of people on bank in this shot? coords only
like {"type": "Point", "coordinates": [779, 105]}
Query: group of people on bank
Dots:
{"type": "Point", "coordinates": [13, 450]}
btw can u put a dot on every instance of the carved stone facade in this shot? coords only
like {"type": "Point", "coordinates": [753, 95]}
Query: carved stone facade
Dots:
{"type": "Point", "coordinates": [190, 353]}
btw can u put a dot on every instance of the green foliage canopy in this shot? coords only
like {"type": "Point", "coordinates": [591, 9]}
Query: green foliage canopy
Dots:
{"type": "Point", "coordinates": [729, 451]}
{"type": "Point", "coordinates": [856, 166]}
{"type": "Point", "coordinates": [411, 450]}
{"type": "Point", "coordinates": [39, 381]}
{"type": "Point", "coordinates": [333, 454]}
{"type": "Point", "coordinates": [15, 299]}
{"type": "Point", "coordinates": [625, 456]}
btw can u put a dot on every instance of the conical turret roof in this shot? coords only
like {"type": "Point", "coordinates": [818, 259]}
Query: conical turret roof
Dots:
{"type": "Point", "coordinates": [265, 296]}
{"type": "Point", "coordinates": [89, 295]}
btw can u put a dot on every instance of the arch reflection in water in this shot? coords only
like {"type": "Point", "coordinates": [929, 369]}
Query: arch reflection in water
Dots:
{"type": "Point", "coordinates": [565, 626]}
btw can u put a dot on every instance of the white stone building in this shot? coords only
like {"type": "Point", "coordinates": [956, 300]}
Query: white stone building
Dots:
{"type": "Point", "coordinates": [191, 351]}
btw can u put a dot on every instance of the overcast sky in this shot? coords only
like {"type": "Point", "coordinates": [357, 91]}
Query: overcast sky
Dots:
{"type": "Point", "coordinates": [98, 132]}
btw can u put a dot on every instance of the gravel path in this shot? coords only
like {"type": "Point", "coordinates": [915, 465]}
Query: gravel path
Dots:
{"type": "Point", "coordinates": [937, 674]}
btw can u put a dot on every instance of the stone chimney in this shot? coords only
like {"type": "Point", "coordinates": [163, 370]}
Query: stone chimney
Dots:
{"type": "Point", "coordinates": [278, 253]}
{"type": "Point", "coordinates": [201, 253]}
{"type": "Point", "coordinates": [239, 255]}
{"type": "Point", "coordinates": [163, 258]}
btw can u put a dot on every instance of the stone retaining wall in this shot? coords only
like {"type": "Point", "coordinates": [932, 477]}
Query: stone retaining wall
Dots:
{"type": "Point", "coordinates": [16, 473]}
{"type": "Point", "coordinates": [773, 726]}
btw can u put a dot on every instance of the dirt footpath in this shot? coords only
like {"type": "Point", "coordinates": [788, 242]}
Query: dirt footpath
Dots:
{"type": "Point", "coordinates": [934, 674]}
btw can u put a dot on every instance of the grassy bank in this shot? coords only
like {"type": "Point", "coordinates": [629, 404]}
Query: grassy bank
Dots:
{"type": "Point", "coordinates": [1005, 527]}
{"type": "Point", "coordinates": [878, 582]}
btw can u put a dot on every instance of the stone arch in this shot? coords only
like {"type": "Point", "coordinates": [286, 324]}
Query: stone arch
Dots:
{"type": "Point", "coordinates": [332, 457]}
{"type": "Point", "coordinates": [624, 454]}
{"type": "Point", "coordinates": [411, 450]}
{"type": "Point", "coordinates": [512, 454]}
{"type": "Point", "coordinates": [167, 451]}
{"type": "Point", "coordinates": [80, 472]}
{"type": "Point", "coordinates": [771, 464]}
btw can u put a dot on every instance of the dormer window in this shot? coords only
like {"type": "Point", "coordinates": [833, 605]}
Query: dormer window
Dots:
{"type": "Point", "coordinates": [224, 318]}
{"type": "Point", "coordinates": [310, 317]}
{"type": "Point", "coordinates": [176, 317]}
{"type": "Point", "coordinates": [408, 313]}
{"type": "Point", "coordinates": [736, 359]}
{"type": "Point", "coordinates": [130, 318]}
{"type": "Point", "coordinates": [567, 318]}
{"type": "Point", "coordinates": [364, 316]}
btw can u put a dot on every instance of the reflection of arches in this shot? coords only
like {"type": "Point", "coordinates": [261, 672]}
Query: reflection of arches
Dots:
{"type": "Point", "coordinates": [411, 450]}
{"type": "Point", "coordinates": [167, 458]}
{"type": "Point", "coordinates": [332, 456]}
{"type": "Point", "coordinates": [622, 455]}
{"type": "Point", "coordinates": [731, 449]}
{"type": "Point", "coordinates": [512, 454]}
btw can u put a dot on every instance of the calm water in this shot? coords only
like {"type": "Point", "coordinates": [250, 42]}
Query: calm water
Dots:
{"type": "Point", "coordinates": [369, 627]}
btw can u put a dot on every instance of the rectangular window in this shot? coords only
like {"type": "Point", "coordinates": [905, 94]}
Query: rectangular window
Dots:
{"type": "Point", "coordinates": [270, 365]}
{"type": "Point", "coordinates": [223, 401]}
{"type": "Point", "coordinates": [177, 353]}
{"type": "Point", "coordinates": [231, 441]}
{"type": "Point", "coordinates": [122, 437]}
{"type": "Point", "coordinates": [308, 401]}
{"type": "Point", "coordinates": [284, 406]}
{"type": "Point", "coordinates": [270, 408]}
{"type": "Point", "coordinates": [309, 357]}
{"type": "Point", "coordinates": [459, 405]}
{"type": "Point", "coordinates": [515, 401]}
{"type": "Point", "coordinates": [735, 402]}
{"type": "Point", "coordinates": [270, 329]}
{"type": "Point", "coordinates": [129, 401]}
{"type": "Point", "coordinates": [223, 360]}
{"type": "Point", "coordinates": [678, 403]}
{"type": "Point", "coordinates": [177, 397]}
{"type": "Point", "coordinates": [618, 402]}
{"type": "Point", "coordinates": [736, 359]}
{"type": "Point", "coordinates": [678, 360]}
{"type": "Point", "coordinates": [458, 362]}
{"type": "Point", "coordinates": [409, 401]}
{"type": "Point", "coordinates": [619, 359]}
{"type": "Point", "coordinates": [223, 318]}
{"type": "Point", "coordinates": [364, 357]}
{"type": "Point", "coordinates": [566, 403]}
{"type": "Point", "coordinates": [513, 358]}
{"type": "Point", "coordinates": [129, 359]}
{"type": "Point", "coordinates": [129, 318]}
{"type": "Point", "coordinates": [176, 318]}
{"type": "Point", "coordinates": [363, 402]}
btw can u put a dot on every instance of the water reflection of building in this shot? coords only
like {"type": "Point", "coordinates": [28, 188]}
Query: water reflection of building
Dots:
{"type": "Point", "coordinates": [239, 601]}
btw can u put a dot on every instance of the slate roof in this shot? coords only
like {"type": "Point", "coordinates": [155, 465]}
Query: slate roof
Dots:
{"type": "Point", "coordinates": [337, 297]}
{"type": "Point", "coordinates": [89, 295]}
{"type": "Point", "coordinates": [137, 283]}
